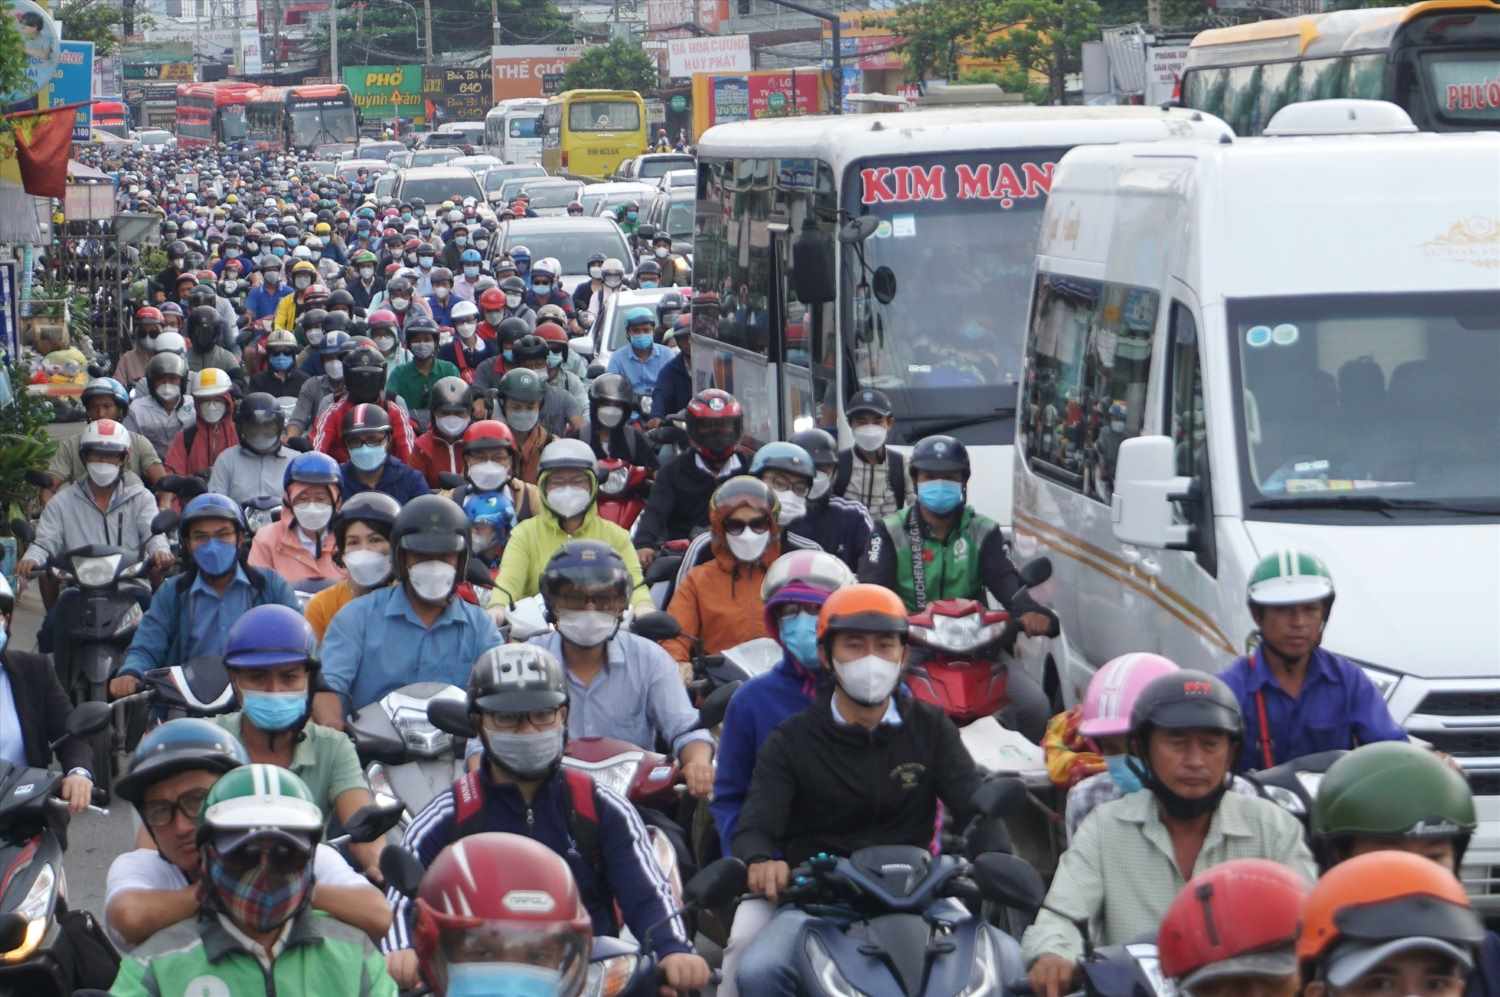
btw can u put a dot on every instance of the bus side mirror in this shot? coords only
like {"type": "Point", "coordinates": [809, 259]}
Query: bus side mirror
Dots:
{"type": "Point", "coordinates": [1146, 485]}
{"type": "Point", "coordinates": [812, 265]}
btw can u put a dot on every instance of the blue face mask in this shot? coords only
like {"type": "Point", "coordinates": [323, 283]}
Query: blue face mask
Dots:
{"type": "Point", "coordinates": [367, 458]}
{"type": "Point", "coordinates": [215, 558]}
{"type": "Point", "coordinates": [293, 243]}
{"type": "Point", "coordinates": [941, 497]}
{"type": "Point", "coordinates": [630, 216]}
{"type": "Point", "coordinates": [281, 361]}
{"type": "Point", "coordinates": [640, 341]}
{"type": "Point", "coordinates": [501, 979]}
{"type": "Point", "coordinates": [278, 250]}
{"type": "Point", "coordinates": [554, 360]}
{"type": "Point", "coordinates": [471, 272]}
{"type": "Point", "coordinates": [647, 284]}
{"type": "Point", "coordinates": [507, 355]}
{"type": "Point", "coordinates": [1121, 774]}
{"type": "Point", "coordinates": [799, 635]}
{"type": "Point", "coordinates": [273, 711]}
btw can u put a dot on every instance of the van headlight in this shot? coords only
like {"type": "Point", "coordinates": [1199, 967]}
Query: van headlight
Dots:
{"type": "Point", "coordinates": [1384, 680]}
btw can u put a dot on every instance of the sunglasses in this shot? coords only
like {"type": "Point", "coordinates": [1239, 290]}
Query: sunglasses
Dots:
{"type": "Point", "coordinates": [760, 524]}
{"type": "Point", "coordinates": [281, 856]}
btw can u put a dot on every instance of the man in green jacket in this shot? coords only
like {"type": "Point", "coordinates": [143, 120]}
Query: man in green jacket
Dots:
{"type": "Point", "coordinates": [255, 932]}
{"type": "Point", "coordinates": [413, 381]}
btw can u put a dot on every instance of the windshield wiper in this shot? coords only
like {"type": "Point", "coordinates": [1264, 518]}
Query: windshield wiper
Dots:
{"type": "Point", "coordinates": [1380, 503]}
{"type": "Point", "coordinates": [933, 429]}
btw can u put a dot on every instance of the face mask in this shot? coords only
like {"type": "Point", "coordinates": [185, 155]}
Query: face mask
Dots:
{"type": "Point", "coordinates": [513, 301]}
{"type": "Point", "coordinates": [314, 335]}
{"type": "Point", "coordinates": [610, 415]}
{"type": "Point", "coordinates": [168, 392]}
{"type": "Point", "coordinates": [178, 261]}
{"type": "Point", "coordinates": [211, 412]}
{"type": "Point", "coordinates": [251, 247]}
{"type": "Point", "coordinates": [399, 304]}
{"type": "Point", "coordinates": [385, 343]}
{"type": "Point", "coordinates": [460, 240]}
{"type": "Point", "coordinates": [441, 293]}
{"type": "Point", "coordinates": [1121, 774]}
{"type": "Point", "coordinates": [312, 516]}
{"type": "Point", "coordinates": [452, 426]}
{"type": "Point", "coordinates": [334, 369]}
{"type": "Point", "coordinates": [425, 262]}
{"type": "Point", "coordinates": [368, 568]}
{"type": "Point", "coordinates": [432, 580]}
{"type": "Point", "coordinates": [793, 506]}
{"type": "Point", "coordinates": [526, 756]}
{"type": "Point", "coordinates": [102, 474]}
{"type": "Point", "coordinates": [423, 350]}
{"type": "Point", "coordinates": [278, 250]}
{"type": "Point", "coordinates": [869, 438]}
{"type": "Point", "coordinates": [471, 273]}
{"type": "Point", "coordinates": [631, 216]}
{"type": "Point", "coordinates": [367, 273]}
{"type": "Point", "coordinates": [554, 360]}
{"type": "Point", "coordinates": [489, 475]}
{"type": "Point", "coordinates": [481, 244]}
{"type": "Point", "coordinates": [748, 546]}
{"type": "Point", "coordinates": [640, 341]}
{"type": "Point", "coordinates": [506, 355]}
{"type": "Point", "coordinates": [868, 680]}
{"type": "Point", "coordinates": [596, 273]}
{"type": "Point", "coordinates": [487, 979]}
{"type": "Point", "coordinates": [228, 286]}
{"type": "Point", "coordinates": [568, 500]}
{"type": "Point", "coordinates": [941, 497]}
{"type": "Point", "coordinates": [661, 252]}
{"type": "Point", "coordinates": [799, 635]}
{"type": "Point", "coordinates": [262, 899]}
{"type": "Point", "coordinates": [273, 711]}
{"type": "Point", "coordinates": [302, 283]}
{"type": "Point", "coordinates": [542, 289]}
{"type": "Point", "coordinates": [820, 485]}
{"type": "Point", "coordinates": [262, 441]}
{"type": "Point", "coordinates": [522, 422]}
{"type": "Point", "coordinates": [612, 281]}
{"type": "Point", "coordinates": [215, 558]}
{"type": "Point", "coordinates": [368, 457]}
{"type": "Point", "coordinates": [411, 259]}
{"type": "Point", "coordinates": [466, 329]}
{"type": "Point", "coordinates": [587, 627]}
{"type": "Point", "coordinates": [647, 285]}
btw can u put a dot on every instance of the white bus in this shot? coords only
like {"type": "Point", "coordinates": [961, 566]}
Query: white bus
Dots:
{"type": "Point", "coordinates": [926, 224]}
{"type": "Point", "coordinates": [513, 130]}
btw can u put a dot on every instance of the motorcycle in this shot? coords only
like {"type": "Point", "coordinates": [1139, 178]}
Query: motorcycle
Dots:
{"type": "Point", "coordinates": [623, 489]}
{"type": "Point", "coordinates": [260, 512]}
{"type": "Point", "coordinates": [406, 754]}
{"type": "Point", "coordinates": [199, 687]}
{"type": "Point", "coordinates": [1293, 785]}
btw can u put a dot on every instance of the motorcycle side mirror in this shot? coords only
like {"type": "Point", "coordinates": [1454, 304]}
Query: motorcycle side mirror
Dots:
{"type": "Point", "coordinates": [1006, 879]}
{"type": "Point", "coordinates": [663, 569]}
{"type": "Point", "coordinates": [711, 713]}
{"type": "Point", "coordinates": [301, 444]}
{"type": "Point", "coordinates": [164, 521]}
{"type": "Point", "coordinates": [450, 480]}
{"type": "Point", "coordinates": [582, 345]}
{"type": "Point", "coordinates": [475, 573]}
{"type": "Point", "coordinates": [401, 870]}
{"type": "Point", "coordinates": [12, 930]}
{"type": "Point", "coordinates": [596, 370]}
{"type": "Point", "coordinates": [716, 884]}
{"type": "Point", "coordinates": [657, 626]}
{"type": "Point", "coordinates": [23, 531]}
{"type": "Point", "coordinates": [86, 719]}
{"type": "Point", "coordinates": [450, 716]}
{"type": "Point", "coordinates": [38, 478]}
{"type": "Point", "coordinates": [1000, 796]}
{"type": "Point", "coordinates": [372, 821]}
{"type": "Point", "coordinates": [1036, 571]}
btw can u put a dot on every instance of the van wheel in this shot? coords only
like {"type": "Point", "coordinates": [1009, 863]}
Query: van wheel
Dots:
{"type": "Point", "coordinates": [1052, 686]}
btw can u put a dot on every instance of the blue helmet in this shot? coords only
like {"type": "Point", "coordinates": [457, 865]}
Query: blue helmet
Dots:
{"type": "Point", "coordinates": [639, 314]}
{"type": "Point", "coordinates": [336, 343]}
{"type": "Point", "coordinates": [210, 505]}
{"type": "Point", "coordinates": [269, 636]}
{"type": "Point", "coordinates": [107, 386]}
{"type": "Point", "coordinates": [188, 744]}
{"type": "Point", "coordinates": [782, 456]}
{"type": "Point", "coordinates": [494, 510]}
{"type": "Point", "coordinates": [312, 468]}
{"type": "Point", "coordinates": [471, 256]}
{"type": "Point", "coordinates": [519, 254]}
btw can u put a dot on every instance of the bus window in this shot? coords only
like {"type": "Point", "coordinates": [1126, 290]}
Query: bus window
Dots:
{"type": "Point", "coordinates": [1204, 90]}
{"type": "Point", "coordinates": [1323, 79]}
{"type": "Point", "coordinates": [1367, 76]}
{"type": "Point", "coordinates": [1241, 97]}
{"type": "Point", "coordinates": [732, 253]}
{"type": "Point", "coordinates": [1465, 86]}
{"type": "Point", "coordinates": [603, 116]}
{"type": "Point", "coordinates": [1278, 88]}
{"type": "Point", "coordinates": [804, 192]}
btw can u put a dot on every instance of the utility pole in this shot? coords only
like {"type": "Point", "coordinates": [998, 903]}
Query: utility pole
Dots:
{"type": "Point", "coordinates": [333, 41]}
{"type": "Point", "coordinates": [427, 10]}
{"type": "Point", "coordinates": [494, 22]}
{"type": "Point", "coordinates": [1153, 13]}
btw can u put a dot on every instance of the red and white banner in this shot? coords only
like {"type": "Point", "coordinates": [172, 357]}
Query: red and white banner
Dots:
{"type": "Point", "coordinates": [711, 54]}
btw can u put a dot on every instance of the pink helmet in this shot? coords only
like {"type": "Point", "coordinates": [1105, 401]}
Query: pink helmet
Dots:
{"type": "Point", "coordinates": [1113, 689]}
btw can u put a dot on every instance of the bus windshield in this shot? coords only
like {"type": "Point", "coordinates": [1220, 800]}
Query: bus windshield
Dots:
{"type": "Point", "coordinates": [314, 125]}
{"type": "Point", "coordinates": [232, 122]}
{"type": "Point", "coordinates": [603, 116]}
{"type": "Point", "coordinates": [958, 231]}
{"type": "Point", "coordinates": [526, 127]}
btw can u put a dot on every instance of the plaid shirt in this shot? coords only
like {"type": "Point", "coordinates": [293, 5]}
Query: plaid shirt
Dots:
{"type": "Point", "coordinates": [1097, 789]}
{"type": "Point", "coordinates": [870, 485]}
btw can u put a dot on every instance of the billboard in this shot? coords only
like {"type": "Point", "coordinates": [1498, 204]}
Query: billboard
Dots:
{"type": "Point", "coordinates": [42, 42]}
{"type": "Point", "coordinates": [719, 98]}
{"type": "Point", "coordinates": [712, 54]}
{"type": "Point", "coordinates": [73, 82]}
{"type": "Point", "coordinates": [385, 92]}
{"type": "Point", "coordinates": [458, 93]}
{"type": "Point", "coordinates": [517, 70]}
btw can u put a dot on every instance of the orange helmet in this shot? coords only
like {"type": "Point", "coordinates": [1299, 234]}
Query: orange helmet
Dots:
{"type": "Point", "coordinates": [1205, 936]}
{"type": "Point", "coordinates": [1384, 903]}
{"type": "Point", "coordinates": [862, 608]}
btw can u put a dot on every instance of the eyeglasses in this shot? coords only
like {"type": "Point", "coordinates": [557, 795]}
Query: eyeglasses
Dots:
{"type": "Point", "coordinates": [787, 610]}
{"type": "Point", "coordinates": [760, 524]}
{"type": "Point", "coordinates": [160, 813]}
{"type": "Point", "coordinates": [539, 719]}
{"type": "Point", "coordinates": [797, 486]}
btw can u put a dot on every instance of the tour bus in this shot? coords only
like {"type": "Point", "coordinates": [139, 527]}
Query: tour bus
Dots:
{"type": "Point", "coordinates": [918, 288]}
{"type": "Point", "coordinates": [513, 130]}
{"type": "Point", "coordinates": [1237, 348]}
{"type": "Point", "coordinates": [212, 114]}
{"type": "Point", "coordinates": [585, 133]}
{"type": "Point", "coordinates": [1439, 60]}
{"type": "Point", "coordinates": [113, 117]}
{"type": "Point", "coordinates": [302, 118]}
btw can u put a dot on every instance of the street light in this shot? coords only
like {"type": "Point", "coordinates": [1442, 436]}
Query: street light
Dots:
{"type": "Point", "coordinates": [333, 32]}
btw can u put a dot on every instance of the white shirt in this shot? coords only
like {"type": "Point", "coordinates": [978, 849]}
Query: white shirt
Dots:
{"type": "Point", "coordinates": [145, 869]}
{"type": "Point", "coordinates": [12, 744]}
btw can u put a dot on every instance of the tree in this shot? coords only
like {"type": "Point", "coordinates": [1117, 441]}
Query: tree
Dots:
{"type": "Point", "coordinates": [12, 63]}
{"type": "Point", "coordinates": [381, 32]}
{"type": "Point", "coordinates": [620, 65]}
{"type": "Point", "coordinates": [97, 21]}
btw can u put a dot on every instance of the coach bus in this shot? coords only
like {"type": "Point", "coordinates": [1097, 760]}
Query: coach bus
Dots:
{"type": "Point", "coordinates": [113, 117]}
{"type": "Point", "coordinates": [585, 133]}
{"type": "Point", "coordinates": [210, 114]}
{"type": "Point", "coordinates": [314, 118]}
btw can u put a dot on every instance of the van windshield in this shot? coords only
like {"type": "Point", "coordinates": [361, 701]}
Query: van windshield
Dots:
{"type": "Point", "coordinates": [1348, 401]}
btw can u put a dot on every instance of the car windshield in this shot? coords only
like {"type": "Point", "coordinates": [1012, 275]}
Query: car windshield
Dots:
{"type": "Point", "coordinates": [384, 184]}
{"type": "Point", "coordinates": [328, 124]}
{"type": "Point", "coordinates": [571, 246]}
{"type": "Point", "coordinates": [960, 229]}
{"type": "Point", "coordinates": [553, 195]}
{"type": "Point", "coordinates": [680, 219]}
{"type": "Point", "coordinates": [496, 178]}
{"type": "Point", "coordinates": [1381, 396]}
{"type": "Point", "coordinates": [436, 190]}
{"type": "Point", "coordinates": [660, 166]}
{"type": "Point", "coordinates": [434, 157]}
{"type": "Point", "coordinates": [604, 116]}
{"type": "Point", "coordinates": [604, 204]}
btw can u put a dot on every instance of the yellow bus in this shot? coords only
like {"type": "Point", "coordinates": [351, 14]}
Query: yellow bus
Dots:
{"type": "Point", "coordinates": [586, 133]}
{"type": "Point", "coordinates": [1439, 60]}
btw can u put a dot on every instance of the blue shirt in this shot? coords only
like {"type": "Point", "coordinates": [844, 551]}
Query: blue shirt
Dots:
{"type": "Point", "coordinates": [1338, 708]}
{"type": "Point", "coordinates": [210, 613]}
{"type": "Point", "coordinates": [641, 374]}
{"type": "Point", "coordinates": [262, 304]}
{"type": "Point", "coordinates": [377, 643]}
{"type": "Point", "coordinates": [398, 479]}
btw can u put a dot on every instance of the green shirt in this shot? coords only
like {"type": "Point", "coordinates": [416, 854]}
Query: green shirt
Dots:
{"type": "Point", "coordinates": [323, 758]}
{"type": "Point", "coordinates": [413, 387]}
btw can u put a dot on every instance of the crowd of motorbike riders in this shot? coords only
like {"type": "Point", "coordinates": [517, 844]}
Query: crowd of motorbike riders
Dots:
{"type": "Point", "coordinates": [440, 456]}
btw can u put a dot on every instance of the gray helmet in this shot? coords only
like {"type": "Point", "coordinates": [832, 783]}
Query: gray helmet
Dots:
{"type": "Point", "coordinates": [516, 678]}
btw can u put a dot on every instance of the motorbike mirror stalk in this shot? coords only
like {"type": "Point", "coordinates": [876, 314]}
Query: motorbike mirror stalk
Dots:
{"type": "Point", "coordinates": [373, 820]}
{"type": "Point", "coordinates": [450, 716]}
{"type": "Point", "coordinates": [86, 718]}
{"type": "Point", "coordinates": [711, 713]}
{"type": "Point", "coordinates": [1000, 796]}
{"type": "Point", "coordinates": [1036, 571]}
{"type": "Point", "coordinates": [657, 626]}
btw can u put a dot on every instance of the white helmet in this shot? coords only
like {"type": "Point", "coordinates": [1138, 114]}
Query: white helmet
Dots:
{"type": "Point", "coordinates": [302, 253]}
{"type": "Point", "coordinates": [171, 342]}
{"type": "Point", "coordinates": [105, 435]}
{"type": "Point", "coordinates": [545, 267]}
{"type": "Point", "coordinates": [210, 382]}
{"type": "Point", "coordinates": [463, 310]}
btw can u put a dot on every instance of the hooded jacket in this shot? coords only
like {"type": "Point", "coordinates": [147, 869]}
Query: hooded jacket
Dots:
{"type": "Point", "coordinates": [719, 602]}
{"type": "Point", "coordinates": [533, 542]}
{"type": "Point", "coordinates": [194, 450]}
{"type": "Point", "coordinates": [72, 520]}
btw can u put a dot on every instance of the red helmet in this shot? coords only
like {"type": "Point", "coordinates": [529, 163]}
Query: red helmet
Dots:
{"type": "Point", "coordinates": [492, 300]}
{"type": "Point", "coordinates": [552, 332]}
{"type": "Point", "coordinates": [488, 434]}
{"type": "Point", "coordinates": [502, 898]}
{"type": "Point", "coordinates": [146, 313]}
{"type": "Point", "coordinates": [1206, 935]}
{"type": "Point", "coordinates": [715, 422]}
{"type": "Point", "coordinates": [382, 316]}
{"type": "Point", "coordinates": [412, 244]}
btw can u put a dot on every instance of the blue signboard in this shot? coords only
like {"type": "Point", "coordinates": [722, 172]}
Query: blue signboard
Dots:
{"type": "Point", "coordinates": [73, 82]}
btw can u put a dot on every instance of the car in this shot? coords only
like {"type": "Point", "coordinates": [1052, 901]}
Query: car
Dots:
{"type": "Point", "coordinates": [603, 198]}
{"type": "Point", "coordinates": [570, 240]}
{"type": "Point", "coordinates": [322, 167]}
{"type": "Point", "coordinates": [349, 168]}
{"type": "Point", "coordinates": [399, 160]}
{"type": "Point", "coordinates": [435, 156]}
{"type": "Point", "coordinates": [479, 163]}
{"type": "Point", "coordinates": [472, 131]}
{"type": "Point", "coordinates": [651, 165]}
{"type": "Point", "coordinates": [552, 196]}
{"type": "Point", "coordinates": [156, 138]}
{"type": "Point", "coordinates": [385, 183]}
{"type": "Point", "coordinates": [444, 140]}
{"type": "Point", "coordinates": [672, 212]}
{"type": "Point", "coordinates": [677, 178]}
{"type": "Point", "coordinates": [609, 331]}
{"type": "Point", "coordinates": [436, 184]}
{"type": "Point", "coordinates": [377, 150]}
{"type": "Point", "coordinates": [494, 178]}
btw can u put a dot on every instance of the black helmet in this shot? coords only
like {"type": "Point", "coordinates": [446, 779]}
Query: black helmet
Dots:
{"type": "Point", "coordinates": [376, 509]}
{"type": "Point", "coordinates": [259, 411]}
{"type": "Point", "coordinates": [202, 295]}
{"type": "Point", "coordinates": [512, 329]}
{"type": "Point", "coordinates": [668, 308]}
{"type": "Point", "coordinates": [312, 318]}
{"type": "Point", "coordinates": [203, 327]}
{"type": "Point", "coordinates": [868, 400]}
{"type": "Point", "coordinates": [340, 299]}
{"type": "Point", "coordinates": [612, 389]}
{"type": "Point", "coordinates": [449, 394]}
{"type": "Point", "coordinates": [335, 322]}
{"type": "Point", "coordinates": [529, 348]}
{"type": "Point", "coordinates": [398, 285]}
{"type": "Point", "coordinates": [583, 566]}
{"type": "Point", "coordinates": [512, 285]}
{"type": "Point", "coordinates": [421, 324]}
{"type": "Point", "coordinates": [650, 267]}
{"type": "Point", "coordinates": [177, 248]}
{"type": "Point", "coordinates": [939, 455]}
{"type": "Point", "coordinates": [516, 678]}
{"type": "Point", "coordinates": [1185, 700]}
{"type": "Point", "coordinates": [188, 744]}
{"type": "Point", "coordinates": [819, 446]}
{"type": "Point", "coordinates": [364, 374]}
{"type": "Point", "coordinates": [431, 524]}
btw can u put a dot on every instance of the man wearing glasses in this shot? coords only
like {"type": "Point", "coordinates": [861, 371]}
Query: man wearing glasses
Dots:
{"type": "Point", "coordinates": [518, 699]}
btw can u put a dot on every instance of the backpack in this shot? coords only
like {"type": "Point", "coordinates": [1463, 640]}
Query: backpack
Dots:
{"type": "Point", "coordinates": [583, 812]}
{"type": "Point", "coordinates": [895, 474]}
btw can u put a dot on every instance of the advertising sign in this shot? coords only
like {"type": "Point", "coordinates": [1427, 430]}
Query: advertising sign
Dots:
{"type": "Point", "coordinates": [461, 92]}
{"type": "Point", "coordinates": [42, 42]}
{"type": "Point", "coordinates": [1163, 72]}
{"type": "Point", "coordinates": [663, 14]}
{"type": "Point", "coordinates": [866, 41]}
{"type": "Point", "coordinates": [770, 93]}
{"type": "Point", "coordinates": [250, 62]}
{"type": "Point", "coordinates": [711, 54]}
{"type": "Point", "coordinates": [517, 70]}
{"type": "Point", "coordinates": [170, 72]}
{"type": "Point", "coordinates": [73, 82]}
{"type": "Point", "coordinates": [385, 92]}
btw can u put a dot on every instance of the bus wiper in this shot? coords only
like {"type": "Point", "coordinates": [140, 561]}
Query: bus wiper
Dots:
{"type": "Point", "coordinates": [933, 429]}
{"type": "Point", "coordinates": [1380, 503]}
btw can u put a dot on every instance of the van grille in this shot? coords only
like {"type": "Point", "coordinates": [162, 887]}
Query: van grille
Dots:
{"type": "Point", "coordinates": [1463, 742]}
{"type": "Point", "coordinates": [1461, 703]}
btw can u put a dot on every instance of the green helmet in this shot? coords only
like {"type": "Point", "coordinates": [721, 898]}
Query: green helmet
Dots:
{"type": "Point", "coordinates": [1392, 789]}
{"type": "Point", "coordinates": [522, 385]}
{"type": "Point", "coordinates": [1289, 577]}
{"type": "Point", "coordinates": [259, 799]}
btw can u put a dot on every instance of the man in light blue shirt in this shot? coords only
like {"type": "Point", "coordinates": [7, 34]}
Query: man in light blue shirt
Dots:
{"type": "Point", "coordinates": [642, 362]}
{"type": "Point", "coordinates": [415, 631]}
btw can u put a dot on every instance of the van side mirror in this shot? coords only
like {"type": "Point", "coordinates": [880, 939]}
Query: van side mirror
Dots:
{"type": "Point", "coordinates": [1146, 485]}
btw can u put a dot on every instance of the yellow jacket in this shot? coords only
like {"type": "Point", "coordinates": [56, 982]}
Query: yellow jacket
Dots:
{"type": "Point", "coordinates": [286, 313]}
{"type": "Point", "coordinates": [533, 542]}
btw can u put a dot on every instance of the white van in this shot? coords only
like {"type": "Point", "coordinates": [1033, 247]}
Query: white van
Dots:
{"type": "Point", "coordinates": [1283, 341]}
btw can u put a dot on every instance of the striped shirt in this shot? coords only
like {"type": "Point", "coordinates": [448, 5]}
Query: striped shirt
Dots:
{"type": "Point", "coordinates": [870, 485]}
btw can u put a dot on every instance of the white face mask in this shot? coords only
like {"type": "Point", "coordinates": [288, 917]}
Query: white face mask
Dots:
{"type": "Point", "coordinates": [587, 627]}
{"type": "Point", "coordinates": [522, 422]}
{"type": "Point", "coordinates": [312, 516]}
{"type": "Point", "coordinates": [611, 415]}
{"type": "Point", "coordinates": [513, 301]}
{"type": "Point", "coordinates": [612, 281]}
{"type": "Point", "coordinates": [869, 438]}
{"type": "Point", "coordinates": [211, 411]}
{"type": "Point", "coordinates": [441, 292]}
{"type": "Point", "coordinates": [868, 680]}
{"type": "Point", "coordinates": [169, 392]}
{"type": "Point", "coordinates": [452, 426]}
{"type": "Point", "coordinates": [596, 272]}
{"type": "Point", "coordinates": [793, 506]}
{"type": "Point", "coordinates": [103, 474]}
{"type": "Point", "coordinates": [820, 485]}
{"type": "Point", "coordinates": [748, 546]}
{"type": "Point", "coordinates": [368, 568]}
{"type": "Point", "coordinates": [661, 252]}
{"type": "Point", "coordinates": [466, 330]}
{"type": "Point", "coordinates": [489, 475]}
{"type": "Point", "coordinates": [399, 304]}
{"type": "Point", "coordinates": [568, 500]}
{"type": "Point", "coordinates": [366, 273]}
{"type": "Point", "coordinates": [432, 580]}
{"type": "Point", "coordinates": [334, 369]}
{"type": "Point", "coordinates": [385, 343]}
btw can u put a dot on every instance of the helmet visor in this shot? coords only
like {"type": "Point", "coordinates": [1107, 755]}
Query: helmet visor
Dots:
{"type": "Point", "coordinates": [516, 950]}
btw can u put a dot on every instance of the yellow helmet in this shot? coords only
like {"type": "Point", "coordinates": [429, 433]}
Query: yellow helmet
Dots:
{"type": "Point", "coordinates": [322, 228]}
{"type": "Point", "coordinates": [232, 199]}
{"type": "Point", "coordinates": [305, 266]}
{"type": "Point", "coordinates": [210, 382]}
{"type": "Point", "coordinates": [57, 218]}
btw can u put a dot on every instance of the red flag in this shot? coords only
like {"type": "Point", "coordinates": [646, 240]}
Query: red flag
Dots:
{"type": "Point", "coordinates": [43, 140]}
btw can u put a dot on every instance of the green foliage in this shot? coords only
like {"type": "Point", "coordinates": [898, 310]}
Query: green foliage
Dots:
{"type": "Point", "coordinates": [1011, 81]}
{"type": "Point", "coordinates": [24, 442]}
{"type": "Point", "coordinates": [620, 65]}
{"type": "Point", "coordinates": [12, 58]}
{"type": "Point", "coordinates": [382, 33]}
{"type": "Point", "coordinates": [97, 21]}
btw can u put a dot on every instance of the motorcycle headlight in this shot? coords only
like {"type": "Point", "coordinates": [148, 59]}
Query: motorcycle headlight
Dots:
{"type": "Point", "coordinates": [129, 621]}
{"type": "Point", "coordinates": [614, 483]}
{"type": "Point", "coordinates": [35, 908]}
{"type": "Point", "coordinates": [1285, 799]}
{"type": "Point", "coordinates": [610, 977]}
{"type": "Point", "coordinates": [826, 971]}
{"type": "Point", "coordinates": [984, 978]}
{"type": "Point", "coordinates": [1146, 957]}
{"type": "Point", "coordinates": [96, 572]}
{"type": "Point", "coordinates": [957, 634]}
{"type": "Point", "coordinates": [419, 735]}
